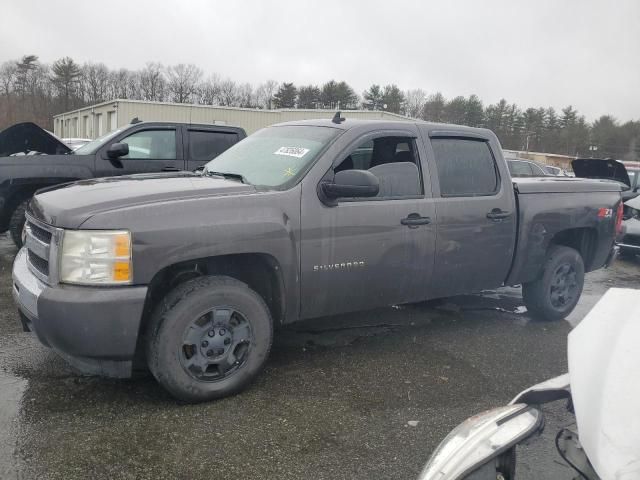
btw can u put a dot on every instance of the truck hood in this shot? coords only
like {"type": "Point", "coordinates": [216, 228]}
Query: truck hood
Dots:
{"type": "Point", "coordinates": [69, 205]}
{"type": "Point", "coordinates": [604, 367]}
{"type": "Point", "coordinates": [633, 203]}
{"type": "Point", "coordinates": [604, 169]}
{"type": "Point", "coordinates": [27, 138]}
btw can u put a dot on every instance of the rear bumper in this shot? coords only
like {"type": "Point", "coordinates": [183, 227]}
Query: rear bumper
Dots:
{"type": "Point", "coordinates": [628, 247]}
{"type": "Point", "coordinates": [613, 254]}
{"type": "Point", "coordinates": [94, 329]}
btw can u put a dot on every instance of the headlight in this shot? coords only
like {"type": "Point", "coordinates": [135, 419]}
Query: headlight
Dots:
{"type": "Point", "coordinates": [91, 257]}
{"type": "Point", "coordinates": [479, 439]}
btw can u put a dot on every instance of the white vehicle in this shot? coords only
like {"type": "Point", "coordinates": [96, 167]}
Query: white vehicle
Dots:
{"type": "Point", "coordinates": [629, 241]}
{"type": "Point", "coordinates": [75, 143]}
{"type": "Point", "coordinates": [603, 391]}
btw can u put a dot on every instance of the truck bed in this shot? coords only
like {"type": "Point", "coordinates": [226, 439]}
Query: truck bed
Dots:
{"type": "Point", "coordinates": [563, 185]}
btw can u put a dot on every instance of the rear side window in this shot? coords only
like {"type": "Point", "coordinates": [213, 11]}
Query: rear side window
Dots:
{"type": "Point", "coordinates": [465, 167]}
{"type": "Point", "coordinates": [206, 145]}
{"type": "Point", "coordinates": [519, 169]}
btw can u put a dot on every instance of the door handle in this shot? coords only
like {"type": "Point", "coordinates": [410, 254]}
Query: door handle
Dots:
{"type": "Point", "coordinates": [497, 214]}
{"type": "Point", "coordinates": [414, 220]}
{"type": "Point", "coordinates": [170, 169]}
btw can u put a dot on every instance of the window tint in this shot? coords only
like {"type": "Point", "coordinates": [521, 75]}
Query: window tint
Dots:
{"type": "Point", "coordinates": [519, 169]}
{"type": "Point", "coordinates": [155, 144]}
{"type": "Point", "coordinates": [393, 160]}
{"type": "Point", "coordinates": [206, 145]}
{"type": "Point", "coordinates": [537, 171]}
{"type": "Point", "coordinates": [465, 167]}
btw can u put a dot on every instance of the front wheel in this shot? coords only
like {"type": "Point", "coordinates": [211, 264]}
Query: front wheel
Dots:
{"type": "Point", "coordinates": [557, 290]}
{"type": "Point", "coordinates": [16, 223]}
{"type": "Point", "coordinates": [208, 338]}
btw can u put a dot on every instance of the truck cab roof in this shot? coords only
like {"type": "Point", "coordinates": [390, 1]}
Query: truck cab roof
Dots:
{"type": "Point", "coordinates": [435, 129]}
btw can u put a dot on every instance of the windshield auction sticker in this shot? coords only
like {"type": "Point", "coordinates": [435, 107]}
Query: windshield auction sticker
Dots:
{"type": "Point", "coordinates": [297, 152]}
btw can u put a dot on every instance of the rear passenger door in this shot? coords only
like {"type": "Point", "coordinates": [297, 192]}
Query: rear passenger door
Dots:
{"type": "Point", "coordinates": [205, 144]}
{"type": "Point", "coordinates": [476, 214]}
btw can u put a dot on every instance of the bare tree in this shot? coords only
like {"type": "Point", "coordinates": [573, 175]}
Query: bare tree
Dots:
{"type": "Point", "coordinates": [120, 84]}
{"type": "Point", "coordinates": [152, 82]}
{"type": "Point", "coordinates": [228, 95]}
{"type": "Point", "coordinates": [246, 97]}
{"type": "Point", "coordinates": [414, 102]}
{"type": "Point", "coordinates": [209, 91]}
{"type": "Point", "coordinates": [8, 72]}
{"type": "Point", "coordinates": [265, 93]}
{"type": "Point", "coordinates": [95, 78]}
{"type": "Point", "coordinates": [183, 82]}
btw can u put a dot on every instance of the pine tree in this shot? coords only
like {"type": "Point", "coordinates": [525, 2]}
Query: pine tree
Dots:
{"type": "Point", "coordinates": [285, 97]}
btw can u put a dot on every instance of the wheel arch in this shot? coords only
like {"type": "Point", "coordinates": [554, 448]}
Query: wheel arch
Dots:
{"type": "Point", "coordinates": [582, 239]}
{"type": "Point", "coordinates": [260, 271]}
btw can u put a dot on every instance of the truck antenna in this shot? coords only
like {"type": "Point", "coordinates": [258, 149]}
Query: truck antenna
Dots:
{"type": "Point", "coordinates": [337, 118]}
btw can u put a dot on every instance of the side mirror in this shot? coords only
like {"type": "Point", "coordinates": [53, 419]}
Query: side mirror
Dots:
{"type": "Point", "coordinates": [117, 150]}
{"type": "Point", "coordinates": [351, 184]}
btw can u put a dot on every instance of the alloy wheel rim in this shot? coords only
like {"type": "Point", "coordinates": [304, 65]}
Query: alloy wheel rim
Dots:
{"type": "Point", "coordinates": [216, 344]}
{"type": "Point", "coordinates": [564, 286]}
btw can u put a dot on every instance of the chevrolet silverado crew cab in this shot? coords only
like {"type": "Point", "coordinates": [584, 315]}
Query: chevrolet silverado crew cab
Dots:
{"type": "Point", "coordinates": [32, 158]}
{"type": "Point", "coordinates": [190, 273]}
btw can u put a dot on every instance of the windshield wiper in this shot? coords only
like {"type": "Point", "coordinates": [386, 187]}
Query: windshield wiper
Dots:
{"type": "Point", "coordinates": [227, 175]}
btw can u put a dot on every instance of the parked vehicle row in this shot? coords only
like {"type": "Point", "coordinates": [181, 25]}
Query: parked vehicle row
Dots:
{"type": "Point", "coordinates": [32, 158]}
{"type": "Point", "coordinates": [189, 273]}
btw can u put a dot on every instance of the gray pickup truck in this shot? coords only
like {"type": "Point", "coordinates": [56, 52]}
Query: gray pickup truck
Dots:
{"type": "Point", "coordinates": [190, 273]}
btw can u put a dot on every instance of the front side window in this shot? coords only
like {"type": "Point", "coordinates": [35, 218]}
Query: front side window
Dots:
{"type": "Point", "coordinates": [393, 160]}
{"type": "Point", "coordinates": [93, 146]}
{"type": "Point", "coordinates": [152, 144]}
{"type": "Point", "coordinates": [206, 145]}
{"type": "Point", "coordinates": [274, 156]}
{"type": "Point", "coordinates": [465, 167]}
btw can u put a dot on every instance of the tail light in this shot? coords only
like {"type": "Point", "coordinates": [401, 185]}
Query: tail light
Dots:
{"type": "Point", "coordinates": [619, 218]}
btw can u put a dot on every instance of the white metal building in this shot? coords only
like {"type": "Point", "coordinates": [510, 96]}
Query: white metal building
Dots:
{"type": "Point", "coordinates": [96, 120]}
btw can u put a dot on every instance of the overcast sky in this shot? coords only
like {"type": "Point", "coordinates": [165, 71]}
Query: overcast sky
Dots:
{"type": "Point", "coordinates": [534, 53]}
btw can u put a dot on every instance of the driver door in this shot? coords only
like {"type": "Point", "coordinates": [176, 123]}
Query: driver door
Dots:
{"type": "Point", "coordinates": [363, 253]}
{"type": "Point", "coordinates": [151, 149]}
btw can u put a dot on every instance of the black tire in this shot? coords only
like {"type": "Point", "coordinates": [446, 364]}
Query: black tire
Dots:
{"type": "Point", "coordinates": [175, 315]}
{"type": "Point", "coordinates": [16, 222]}
{"type": "Point", "coordinates": [542, 297]}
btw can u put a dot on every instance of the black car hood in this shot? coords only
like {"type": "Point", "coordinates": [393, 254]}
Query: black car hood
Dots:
{"type": "Point", "coordinates": [69, 205]}
{"type": "Point", "coordinates": [29, 137]}
{"type": "Point", "coordinates": [604, 169]}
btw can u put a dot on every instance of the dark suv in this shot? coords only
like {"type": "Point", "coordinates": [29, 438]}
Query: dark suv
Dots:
{"type": "Point", "coordinates": [33, 158]}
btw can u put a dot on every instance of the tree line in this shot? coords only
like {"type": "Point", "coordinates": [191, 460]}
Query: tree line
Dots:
{"type": "Point", "coordinates": [35, 91]}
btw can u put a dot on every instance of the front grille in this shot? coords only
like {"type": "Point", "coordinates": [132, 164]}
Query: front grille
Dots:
{"type": "Point", "coordinates": [40, 233]}
{"type": "Point", "coordinates": [40, 264]}
{"type": "Point", "coordinates": [39, 244]}
{"type": "Point", "coordinates": [631, 240]}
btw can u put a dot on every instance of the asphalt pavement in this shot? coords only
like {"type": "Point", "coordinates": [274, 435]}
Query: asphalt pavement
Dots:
{"type": "Point", "coordinates": [359, 396]}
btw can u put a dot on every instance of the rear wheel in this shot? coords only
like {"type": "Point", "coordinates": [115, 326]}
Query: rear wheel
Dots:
{"type": "Point", "coordinates": [556, 292]}
{"type": "Point", "coordinates": [209, 338]}
{"type": "Point", "coordinates": [16, 223]}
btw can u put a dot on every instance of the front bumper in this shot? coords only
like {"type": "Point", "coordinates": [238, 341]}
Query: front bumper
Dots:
{"type": "Point", "coordinates": [629, 241]}
{"type": "Point", "coordinates": [94, 328]}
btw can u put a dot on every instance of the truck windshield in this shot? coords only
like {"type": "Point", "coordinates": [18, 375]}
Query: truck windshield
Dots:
{"type": "Point", "coordinates": [93, 146]}
{"type": "Point", "coordinates": [274, 156]}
